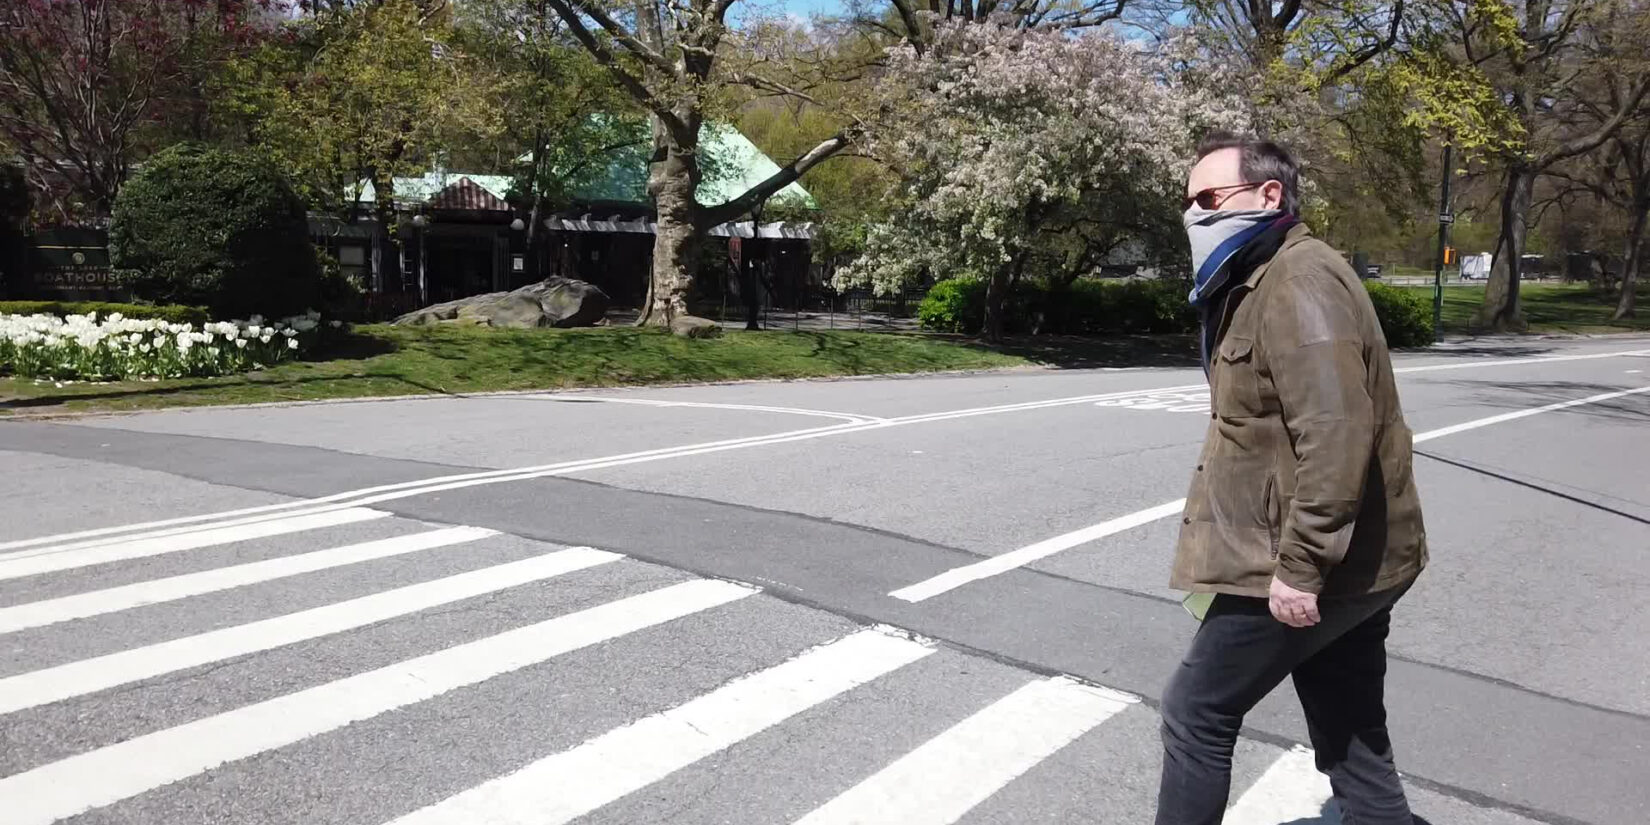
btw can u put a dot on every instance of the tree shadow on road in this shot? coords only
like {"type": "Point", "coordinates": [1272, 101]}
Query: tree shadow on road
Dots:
{"type": "Point", "coordinates": [1524, 395]}
{"type": "Point", "coordinates": [1476, 350]}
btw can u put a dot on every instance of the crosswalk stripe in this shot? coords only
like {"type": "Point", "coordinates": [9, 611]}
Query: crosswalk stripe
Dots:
{"type": "Point", "coordinates": [53, 559]}
{"type": "Point", "coordinates": [571, 783]}
{"type": "Point", "coordinates": [110, 774]}
{"type": "Point", "coordinates": [945, 777]}
{"type": "Point", "coordinates": [958, 576]}
{"type": "Point", "coordinates": [54, 684]}
{"type": "Point", "coordinates": [1291, 789]}
{"type": "Point", "coordinates": [126, 597]}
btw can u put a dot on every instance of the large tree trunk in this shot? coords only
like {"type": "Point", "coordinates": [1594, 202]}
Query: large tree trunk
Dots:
{"type": "Point", "coordinates": [996, 300]}
{"type": "Point", "coordinates": [1633, 260]}
{"type": "Point", "coordinates": [1500, 311]}
{"type": "Point", "coordinates": [673, 180]}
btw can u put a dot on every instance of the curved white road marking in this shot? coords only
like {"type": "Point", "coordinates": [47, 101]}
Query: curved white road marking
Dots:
{"type": "Point", "coordinates": [388, 492]}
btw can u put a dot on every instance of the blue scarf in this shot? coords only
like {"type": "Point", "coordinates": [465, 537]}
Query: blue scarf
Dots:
{"type": "Point", "coordinates": [1226, 247]}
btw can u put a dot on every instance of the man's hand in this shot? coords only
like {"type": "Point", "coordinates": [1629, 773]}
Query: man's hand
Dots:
{"type": "Point", "coordinates": [1296, 608]}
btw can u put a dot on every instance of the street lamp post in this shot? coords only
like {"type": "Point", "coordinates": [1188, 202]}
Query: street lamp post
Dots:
{"type": "Point", "coordinates": [1445, 218]}
{"type": "Point", "coordinates": [420, 221]}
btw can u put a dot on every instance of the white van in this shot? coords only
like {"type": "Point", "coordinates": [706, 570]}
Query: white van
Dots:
{"type": "Point", "coordinates": [1476, 267]}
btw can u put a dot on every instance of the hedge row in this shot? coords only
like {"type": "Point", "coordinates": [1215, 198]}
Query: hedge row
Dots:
{"type": "Point", "coordinates": [1131, 307]}
{"type": "Point", "coordinates": [1083, 308]}
{"type": "Point", "coordinates": [173, 313]}
{"type": "Point", "coordinates": [1406, 314]}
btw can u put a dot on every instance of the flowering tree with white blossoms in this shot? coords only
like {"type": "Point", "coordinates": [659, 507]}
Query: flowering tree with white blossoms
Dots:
{"type": "Point", "coordinates": [1014, 141]}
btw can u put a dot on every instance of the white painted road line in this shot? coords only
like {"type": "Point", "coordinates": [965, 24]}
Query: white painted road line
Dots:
{"type": "Point", "coordinates": [1514, 362]}
{"type": "Point", "coordinates": [53, 684]}
{"type": "Point", "coordinates": [1015, 559]}
{"type": "Point", "coordinates": [391, 492]}
{"type": "Point", "coordinates": [944, 778]}
{"type": "Point", "coordinates": [1514, 416]}
{"type": "Point", "coordinates": [126, 597]}
{"type": "Point", "coordinates": [705, 405]}
{"type": "Point", "coordinates": [53, 559]}
{"type": "Point", "coordinates": [107, 775]}
{"type": "Point", "coordinates": [959, 576]}
{"type": "Point", "coordinates": [1291, 790]}
{"type": "Point", "coordinates": [250, 515]}
{"type": "Point", "coordinates": [567, 785]}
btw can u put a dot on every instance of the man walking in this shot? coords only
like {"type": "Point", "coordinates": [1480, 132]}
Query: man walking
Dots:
{"type": "Point", "coordinates": [1303, 525]}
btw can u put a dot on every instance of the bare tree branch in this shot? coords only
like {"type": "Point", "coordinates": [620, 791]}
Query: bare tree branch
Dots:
{"type": "Point", "coordinates": [1588, 142]}
{"type": "Point", "coordinates": [623, 36]}
{"type": "Point", "coordinates": [779, 180]}
{"type": "Point", "coordinates": [609, 61]}
{"type": "Point", "coordinates": [1371, 51]}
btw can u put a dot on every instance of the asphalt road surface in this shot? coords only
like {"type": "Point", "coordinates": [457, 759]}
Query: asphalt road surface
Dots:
{"type": "Point", "coordinates": [899, 601]}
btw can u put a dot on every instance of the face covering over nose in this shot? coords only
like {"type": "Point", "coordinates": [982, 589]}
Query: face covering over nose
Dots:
{"type": "Point", "coordinates": [1227, 244]}
{"type": "Point", "coordinates": [1217, 236]}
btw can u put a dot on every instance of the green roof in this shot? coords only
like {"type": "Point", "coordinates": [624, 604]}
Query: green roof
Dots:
{"type": "Point", "coordinates": [430, 184]}
{"type": "Point", "coordinates": [731, 165]}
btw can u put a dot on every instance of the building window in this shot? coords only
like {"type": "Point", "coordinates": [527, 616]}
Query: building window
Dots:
{"type": "Point", "coordinates": [352, 261]}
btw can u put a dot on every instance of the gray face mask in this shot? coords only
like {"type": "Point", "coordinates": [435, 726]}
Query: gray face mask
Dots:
{"type": "Point", "coordinates": [1216, 235]}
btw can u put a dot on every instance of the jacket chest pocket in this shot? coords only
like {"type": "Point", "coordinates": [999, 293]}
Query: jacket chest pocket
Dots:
{"type": "Point", "coordinates": [1237, 390]}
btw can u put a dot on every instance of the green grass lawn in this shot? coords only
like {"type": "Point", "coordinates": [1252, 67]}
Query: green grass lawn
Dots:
{"type": "Point", "coordinates": [383, 360]}
{"type": "Point", "coordinates": [1550, 308]}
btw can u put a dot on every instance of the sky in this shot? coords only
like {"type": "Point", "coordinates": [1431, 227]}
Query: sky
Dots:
{"type": "Point", "coordinates": [801, 10]}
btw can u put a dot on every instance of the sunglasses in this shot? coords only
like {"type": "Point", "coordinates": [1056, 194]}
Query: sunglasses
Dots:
{"type": "Point", "coordinates": [1205, 199]}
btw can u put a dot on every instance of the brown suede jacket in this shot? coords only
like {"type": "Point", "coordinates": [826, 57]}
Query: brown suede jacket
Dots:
{"type": "Point", "coordinates": [1306, 469]}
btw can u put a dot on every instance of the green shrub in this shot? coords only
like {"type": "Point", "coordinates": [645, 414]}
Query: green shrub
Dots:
{"type": "Point", "coordinates": [954, 305]}
{"type": "Point", "coordinates": [170, 312]}
{"type": "Point", "coordinates": [1136, 307]}
{"type": "Point", "coordinates": [1084, 307]}
{"type": "Point", "coordinates": [1405, 314]}
{"type": "Point", "coordinates": [215, 227]}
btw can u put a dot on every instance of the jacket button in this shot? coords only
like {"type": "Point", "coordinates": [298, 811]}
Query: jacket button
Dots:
{"type": "Point", "coordinates": [1186, 520]}
{"type": "Point", "coordinates": [1212, 414]}
{"type": "Point", "coordinates": [1200, 468]}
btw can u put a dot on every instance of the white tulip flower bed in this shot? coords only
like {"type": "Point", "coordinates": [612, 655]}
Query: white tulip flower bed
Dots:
{"type": "Point", "coordinates": [80, 347]}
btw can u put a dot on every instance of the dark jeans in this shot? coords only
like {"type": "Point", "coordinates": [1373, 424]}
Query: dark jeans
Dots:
{"type": "Point", "coordinates": [1238, 656]}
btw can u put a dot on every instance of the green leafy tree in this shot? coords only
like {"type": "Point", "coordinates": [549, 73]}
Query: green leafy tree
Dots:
{"type": "Point", "coordinates": [676, 60]}
{"type": "Point", "coordinates": [218, 228]}
{"type": "Point", "coordinates": [365, 92]}
{"type": "Point", "coordinates": [562, 120]}
{"type": "Point", "coordinates": [1525, 63]}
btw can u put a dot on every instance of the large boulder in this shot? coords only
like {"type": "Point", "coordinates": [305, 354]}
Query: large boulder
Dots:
{"type": "Point", "coordinates": [689, 326]}
{"type": "Point", "coordinates": [552, 302]}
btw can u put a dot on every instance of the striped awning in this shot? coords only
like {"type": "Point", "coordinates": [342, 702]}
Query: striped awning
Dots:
{"type": "Point", "coordinates": [466, 194]}
{"type": "Point", "coordinates": [778, 230]}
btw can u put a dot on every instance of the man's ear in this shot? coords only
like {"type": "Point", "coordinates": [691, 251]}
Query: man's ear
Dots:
{"type": "Point", "coordinates": [1272, 193]}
